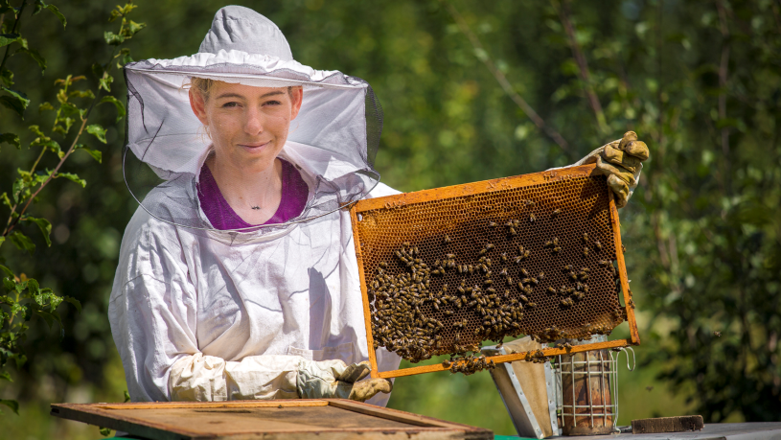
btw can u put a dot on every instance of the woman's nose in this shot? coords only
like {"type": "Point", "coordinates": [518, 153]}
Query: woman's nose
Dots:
{"type": "Point", "coordinates": [254, 123]}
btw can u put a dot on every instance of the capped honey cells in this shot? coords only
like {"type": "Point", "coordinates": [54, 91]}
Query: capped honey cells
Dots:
{"type": "Point", "coordinates": [443, 276]}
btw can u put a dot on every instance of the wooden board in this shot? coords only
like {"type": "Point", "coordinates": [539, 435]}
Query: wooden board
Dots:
{"type": "Point", "coordinates": [667, 424]}
{"type": "Point", "coordinates": [280, 419]}
{"type": "Point", "coordinates": [404, 201]}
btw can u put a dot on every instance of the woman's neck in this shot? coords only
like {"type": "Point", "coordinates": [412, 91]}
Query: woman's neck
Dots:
{"type": "Point", "coordinates": [254, 194]}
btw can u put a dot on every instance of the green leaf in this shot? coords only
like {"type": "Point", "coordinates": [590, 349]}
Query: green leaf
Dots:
{"type": "Point", "coordinates": [6, 39]}
{"type": "Point", "coordinates": [116, 13]}
{"type": "Point", "coordinates": [96, 154]}
{"type": "Point", "coordinates": [124, 57]}
{"type": "Point", "coordinates": [105, 82]}
{"type": "Point", "coordinates": [7, 77]}
{"type": "Point", "coordinates": [73, 178]}
{"type": "Point", "coordinates": [98, 131]}
{"type": "Point", "coordinates": [44, 106]}
{"type": "Point", "coordinates": [17, 101]}
{"type": "Point", "coordinates": [74, 302]}
{"type": "Point", "coordinates": [6, 376]}
{"type": "Point", "coordinates": [22, 241]}
{"type": "Point", "coordinates": [49, 317]}
{"type": "Point", "coordinates": [10, 138]}
{"type": "Point", "coordinates": [43, 225]}
{"type": "Point", "coordinates": [13, 404]}
{"type": "Point", "coordinates": [82, 94]}
{"type": "Point", "coordinates": [36, 56]}
{"type": "Point", "coordinates": [117, 103]}
{"type": "Point", "coordinates": [113, 39]}
{"type": "Point", "coordinates": [8, 272]}
{"type": "Point", "coordinates": [127, 395]}
{"type": "Point", "coordinates": [54, 10]}
{"type": "Point", "coordinates": [105, 432]}
{"type": "Point", "coordinates": [39, 5]}
{"type": "Point", "coordinates": [36, 129]}
{"type": "Point", "coordinates": [6, 201]}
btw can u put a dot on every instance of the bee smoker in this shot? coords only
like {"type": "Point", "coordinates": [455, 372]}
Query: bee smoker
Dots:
{"type": "Point", "coordinates": [588, 387]}
{"type": "Point", "coordinates": [575, 394]}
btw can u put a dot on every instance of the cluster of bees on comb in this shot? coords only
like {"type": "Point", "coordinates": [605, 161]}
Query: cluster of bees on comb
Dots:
{"type": "Point", "coordinates": [417, 313]}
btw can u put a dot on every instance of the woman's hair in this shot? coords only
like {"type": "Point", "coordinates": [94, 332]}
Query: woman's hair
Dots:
{"type": "Point", "coordinates": [203, 86]}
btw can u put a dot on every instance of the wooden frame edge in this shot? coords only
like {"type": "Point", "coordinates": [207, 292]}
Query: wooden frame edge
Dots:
{"type": "Point", "coordinates": [499, 359]}
{"type": "Point", "coordinates": [364, 295]}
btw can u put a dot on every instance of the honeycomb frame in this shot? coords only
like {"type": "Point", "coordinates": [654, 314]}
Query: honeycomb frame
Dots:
{"type": "Point", "coordinates": [506, 214]}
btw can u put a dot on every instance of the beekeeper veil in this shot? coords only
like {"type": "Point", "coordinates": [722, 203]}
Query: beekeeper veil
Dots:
{"type": "Point", "coordinates": [332, 141]}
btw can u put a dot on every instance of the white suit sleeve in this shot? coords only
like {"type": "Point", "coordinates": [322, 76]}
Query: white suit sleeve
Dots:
{"type": "Point", "coordinates": [153, 318]}
{"type": "Point", "coordinates": [209, 378]}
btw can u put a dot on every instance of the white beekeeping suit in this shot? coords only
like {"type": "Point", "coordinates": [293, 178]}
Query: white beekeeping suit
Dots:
{"type": "Point", "coordinates": [199, 313]}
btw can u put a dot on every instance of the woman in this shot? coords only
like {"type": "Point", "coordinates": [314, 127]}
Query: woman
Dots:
{"type": "Point", "coordinates": [237, 275]}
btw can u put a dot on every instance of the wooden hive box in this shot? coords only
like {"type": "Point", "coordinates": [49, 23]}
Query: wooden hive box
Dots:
{"type": "Point", "coordinates": [321, 419]}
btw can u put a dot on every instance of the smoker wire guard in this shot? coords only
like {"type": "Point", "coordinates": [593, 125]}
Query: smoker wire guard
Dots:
{"type": "Point", "coordinates": [485, 187]}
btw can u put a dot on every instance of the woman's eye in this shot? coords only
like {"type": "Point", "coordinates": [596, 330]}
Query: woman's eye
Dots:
{"type": "Point", "coordinates": [230, 104]}
{"type": "Point", "coordinates": [272, 103]}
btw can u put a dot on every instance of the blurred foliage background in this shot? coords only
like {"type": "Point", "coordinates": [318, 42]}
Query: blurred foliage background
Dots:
{"type": "Point", "coordinates": [700, 82]}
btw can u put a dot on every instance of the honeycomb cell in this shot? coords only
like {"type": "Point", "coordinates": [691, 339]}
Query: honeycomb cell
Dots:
{"type": "Point", "coordinates": [443, 275]}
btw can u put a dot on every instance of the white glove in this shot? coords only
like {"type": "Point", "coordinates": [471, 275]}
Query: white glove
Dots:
{"type": "Point", "coordinates": [335, 379]}
{"type": "Point", "coordinates": [621, 161]}
{"type": "Point", "coordinates": [210, 378]}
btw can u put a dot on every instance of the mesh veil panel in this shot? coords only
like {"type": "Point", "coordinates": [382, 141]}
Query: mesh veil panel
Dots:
{"type": "Point", "coordinates": [332, 142]}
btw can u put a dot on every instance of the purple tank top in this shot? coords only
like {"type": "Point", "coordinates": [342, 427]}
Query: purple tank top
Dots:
{"type": "Point", "coordinates": [222, 216]}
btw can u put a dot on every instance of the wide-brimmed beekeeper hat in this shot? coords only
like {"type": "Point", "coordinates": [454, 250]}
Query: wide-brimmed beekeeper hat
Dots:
{"type": "Point", "coordinates": [332, 141]}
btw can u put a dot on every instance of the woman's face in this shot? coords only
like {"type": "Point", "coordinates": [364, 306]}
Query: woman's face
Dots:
{"type": "Point", "coordinates": [248, 125]}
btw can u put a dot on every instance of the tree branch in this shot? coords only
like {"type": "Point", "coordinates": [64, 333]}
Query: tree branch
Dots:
{"type": "Point", "coordinates": [583, 71]}
{"type": "Point", "coordinates": [506, 86]}
{"type": "Point", "coordinates": [13, 30]}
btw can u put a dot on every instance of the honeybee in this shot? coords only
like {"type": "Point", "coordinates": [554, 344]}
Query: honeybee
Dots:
{"type": "Point", "coordinates": [541, 275]}
{"type": "Point", "coordinates": [548, 244]}
{"type": "Point", "coordinates": [551, 290]}
{"type": "Point", "coordinates": [513, 231]}
{"type": "Point", "coordinates": [447, 239]}
{"type": "Point", "coordinates": [532, 218]}
{"type": "Point", "coordinates": [482, 251]}
{"type": "Point", "coordinates": [603, 262]}
{"type": "Point", "coordinates": [450, 256]}
{"type": "Point", "coordinates": [568, 268]}
{"type": "Point", "coordinates": [556, 250]}
{"type": "Point", "coordinates": [492, 224]}
{"type": "Point", "coordinates": [555, 241]}
{"type": "Point", "coordinates": [489, 246]}
{"type": "Point", "coordinates": [585, 252]}
{"type": "Point", "coordinates": [585, 237]}
{"type": "Point", "coordinates": [504, 256]}
{"type": "Point", "coordinates": [518, 259]}
{"type": "Point", "coordinates": [406, 244]}
{"type": "Point", "coordinates": [598, 245]}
